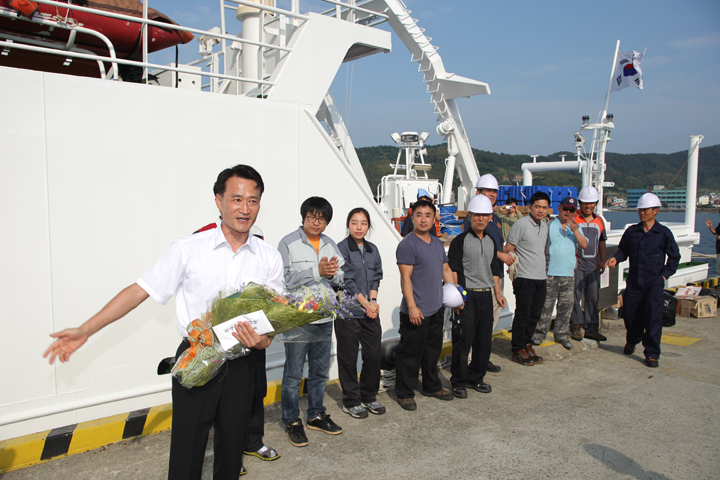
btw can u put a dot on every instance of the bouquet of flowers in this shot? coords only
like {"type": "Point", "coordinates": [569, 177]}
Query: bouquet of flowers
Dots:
{"type": "Point", "coordinates": [202, 361]}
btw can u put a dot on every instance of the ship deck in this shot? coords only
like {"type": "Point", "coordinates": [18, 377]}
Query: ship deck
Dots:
{"type": "Point", "coordinates": [590, 413]}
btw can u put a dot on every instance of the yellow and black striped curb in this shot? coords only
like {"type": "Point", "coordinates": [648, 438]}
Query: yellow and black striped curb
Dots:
{"type": "Point", "coordinates": [20, 452]}
{"type": "Point", "coordinates": [707, 283]}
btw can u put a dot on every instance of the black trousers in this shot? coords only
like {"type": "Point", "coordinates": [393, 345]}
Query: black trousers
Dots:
{"type": "Point", "coordinates": [472, 328]}
{"type": "Point", "coordinates": [256, 427]}
{"type": "Point", "coordinates": [350, 333]}
{"type": "Point", "coordinates": [529, 302]}
{"type": "Point", "coordinates": [644, 315]}
{"type": "Point", "coordinates": [419, 348]}
{"type": "Point", "coordinates": [223, 403]}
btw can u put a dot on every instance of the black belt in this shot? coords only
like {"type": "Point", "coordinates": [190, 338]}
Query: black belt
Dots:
{"type": "Point", "coordinates": [489, 289]}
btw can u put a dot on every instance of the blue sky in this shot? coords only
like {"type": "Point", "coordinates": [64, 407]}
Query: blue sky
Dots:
{"type": "Point", "coordinates": [547, 64]}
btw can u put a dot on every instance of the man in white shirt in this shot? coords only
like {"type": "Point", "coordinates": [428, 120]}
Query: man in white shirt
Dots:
{"type": "Point", "coordinates": [195, 268]}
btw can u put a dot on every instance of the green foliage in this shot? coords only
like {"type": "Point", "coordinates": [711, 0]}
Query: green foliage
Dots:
{"type": "Point", "coordinates": [638, 170]}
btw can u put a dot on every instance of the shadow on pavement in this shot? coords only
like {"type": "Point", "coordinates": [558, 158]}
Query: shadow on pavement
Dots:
{"type": "Point", "coordinates": [621, 463]}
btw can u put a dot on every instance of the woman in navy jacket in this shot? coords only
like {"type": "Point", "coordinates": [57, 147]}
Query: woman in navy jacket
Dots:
{"type": "Point", "coordinates": [363, 272]}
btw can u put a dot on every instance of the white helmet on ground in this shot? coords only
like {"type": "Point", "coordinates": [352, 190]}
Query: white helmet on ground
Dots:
{"type": "Point", "coordinates": [480, 204]}
{"type": "Point", "coordinates": [487, 181]}
{"type": "Point", "coordinates": [588, 194]}
{"type": "Point", "coordinates": [649, 200]}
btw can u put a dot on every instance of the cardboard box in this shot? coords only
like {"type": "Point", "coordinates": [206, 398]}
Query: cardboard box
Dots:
{"type": "Point", "coordinates": [685, 291]}
{"type": "Point", "coordinates": [698, 307]}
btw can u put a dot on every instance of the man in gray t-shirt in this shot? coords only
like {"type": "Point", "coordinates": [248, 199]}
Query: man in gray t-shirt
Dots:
{"type": "Point", "coordinates": [527, 239]}
{"type": "Point", "coordinates": [423, 267]}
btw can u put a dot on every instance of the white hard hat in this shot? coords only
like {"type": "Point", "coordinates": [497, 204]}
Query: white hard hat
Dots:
{"type": "Point", "coordinates": [480, 204]}
{"type": "Point", "coordinates": [487, 181]}
{"type": "Point", "coordinates": [452, 298]}
{"type": "Point", "coordinates": [649, 200]}
{"type": "Point", "coordinates": [588, 194]}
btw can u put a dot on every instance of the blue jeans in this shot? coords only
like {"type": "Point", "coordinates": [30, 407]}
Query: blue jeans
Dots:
{"type": "Point", "coordinates": [318, 356]}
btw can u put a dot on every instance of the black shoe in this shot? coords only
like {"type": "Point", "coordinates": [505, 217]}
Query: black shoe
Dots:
{"type": "Point", "coordinates": [480, 387]}
{"type": "Point", "coordinates": [576, 332]}
{"type": "Point", "coordinates": [596, 336]}
{"type": "Point", "coordinates": [460, 392]}
{"type": "Point", "coordinates": [323, 423]}
{"type": "Point", "coordinates": [296, 434]}
{"type": "Point", "coordinates": [243, 471]}
{"type": "Point", "coordinates": [651, 362]}
{"type": "Point", "coordinates": [492, 368]}
{"type": "Point", "coordinates": [629, 349]}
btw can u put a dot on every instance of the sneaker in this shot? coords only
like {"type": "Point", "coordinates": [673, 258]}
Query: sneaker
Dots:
{"type": "Point", "coordinates": [296, 434]}
{"type": "Point", "coordinates": [533, 356]}
{"type": "Point", "coordinates": [597, 336]}
{"type": "Point", "coordinates": [565, 343]}
{"type": "Point", "coordinates": [576, 332]}
{"type": "Point", "coordinates": [522, 358]}
{"type": "Point", "coordinates": [629, 349]}
{"type": "Point", "coordinates": [243, 471]}
{"type": "Point", "coordinates": [480, 387]}
{"type": "Point", "coordinates": [407, 404]}
{"type": "Point", "coordinates": [374, 407]}
{"type": "Point", "coordinates": [652, 362]}
{"type": "Point", "coordinates": [265, 453]}
{"type": "Point", "coordinates": [355, 412]}
{"type": "Point", "coordinates": [536, 342]}
{"type": "Point", "coordinates": [492, 368]}
{"type": "Point", "coordinates": [460, 392]}
{"type": "Point", "coordinates": [323, 423]}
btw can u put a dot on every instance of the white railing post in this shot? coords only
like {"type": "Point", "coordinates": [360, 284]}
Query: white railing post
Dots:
{"type": "Point", "coordinates": [145, 41]}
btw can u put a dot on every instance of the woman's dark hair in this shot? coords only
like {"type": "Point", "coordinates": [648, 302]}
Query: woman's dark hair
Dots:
{"type": "Point", "coordinates": [317, 206]}
{"type": "Point", "coordinates": [243, 171]}
{"type": "Point", "coordinates": [358, 210]}
{"type": "Point", "coordinates": [539, 196]}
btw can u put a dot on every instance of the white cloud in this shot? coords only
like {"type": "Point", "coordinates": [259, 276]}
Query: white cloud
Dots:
{"type": "Point", "coordinates": [707, 40]}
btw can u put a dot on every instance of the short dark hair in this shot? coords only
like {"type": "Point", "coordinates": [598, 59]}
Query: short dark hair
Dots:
{"type": "Point", "coordinates": [539, 196]}
{"type": "Point", "coordinates": [358, 210]}
{"type": "Point", "coordinates": [243, 171]}
{"type": "Point", "coordinates": [512, 200]}
{"type": "Point", "coordinates": [423, 203]}
{"type": "Point", "coordinates": [318, 206]}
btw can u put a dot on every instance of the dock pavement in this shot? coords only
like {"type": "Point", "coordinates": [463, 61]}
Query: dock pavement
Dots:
{"type": "Point", "coordinates": [587, 413]}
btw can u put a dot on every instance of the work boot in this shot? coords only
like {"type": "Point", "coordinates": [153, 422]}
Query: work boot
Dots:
{"type": "Point", "coordinates": [576, 332]}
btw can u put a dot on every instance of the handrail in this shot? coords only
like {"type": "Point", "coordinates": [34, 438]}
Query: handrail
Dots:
{"type": "Point", "coordinates": [154, 23]}
{"type": "Point", "coordinates": [268, 8]}
{"type": "Point", "coordinates": [131, 62]}
{"type": "Point", "coordinates": [88, 31]}
{"type": "Point", "coordinates": [349, 7]}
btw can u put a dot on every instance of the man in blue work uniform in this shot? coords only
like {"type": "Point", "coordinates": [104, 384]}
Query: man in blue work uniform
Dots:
{"type": "Point", "coordinates": [646, 244]}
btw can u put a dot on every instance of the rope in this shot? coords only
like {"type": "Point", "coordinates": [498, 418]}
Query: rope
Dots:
{"type": "Point", "coordinates": [681, 168]}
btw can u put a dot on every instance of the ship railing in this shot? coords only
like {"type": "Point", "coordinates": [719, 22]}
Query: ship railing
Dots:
{"type": "Point", "coordinates": [145, 64]}
{"type": "Point", "coordinates": [349, 11]}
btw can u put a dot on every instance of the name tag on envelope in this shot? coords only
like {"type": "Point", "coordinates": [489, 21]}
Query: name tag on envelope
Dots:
{"type": "Point", "coordinates": [257, 320]}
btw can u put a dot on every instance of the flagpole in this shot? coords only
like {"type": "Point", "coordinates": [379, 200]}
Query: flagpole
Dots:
{"type": "Point", "coordinates": [600, 139]}
{"type": "Point", "coordinates": [612, 76]}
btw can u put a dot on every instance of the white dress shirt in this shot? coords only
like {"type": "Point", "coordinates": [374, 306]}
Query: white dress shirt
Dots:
{"type": "Point", "coordinates": [196, 268]}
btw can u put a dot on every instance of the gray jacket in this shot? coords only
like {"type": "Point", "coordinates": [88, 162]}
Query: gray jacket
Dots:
{"type": "Point", "coordinates": [300, 264]}
{"type": "Point", "coordinates": [363, 271]}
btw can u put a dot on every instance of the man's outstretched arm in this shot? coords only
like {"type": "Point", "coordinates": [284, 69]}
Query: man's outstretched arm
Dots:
{"type": "Point", "coordinates": [71, 339]}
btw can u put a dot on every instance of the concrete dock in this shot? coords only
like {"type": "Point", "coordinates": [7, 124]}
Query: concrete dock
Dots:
{"type": "Point", "coordinates": [591, 413]}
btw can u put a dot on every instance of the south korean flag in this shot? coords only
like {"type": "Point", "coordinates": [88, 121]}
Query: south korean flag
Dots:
{"type": "Point", "coordinates": [627, 71]}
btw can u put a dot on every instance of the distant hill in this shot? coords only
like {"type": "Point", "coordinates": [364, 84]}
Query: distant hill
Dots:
{"type": "Point", "coordinates": [638, 170]}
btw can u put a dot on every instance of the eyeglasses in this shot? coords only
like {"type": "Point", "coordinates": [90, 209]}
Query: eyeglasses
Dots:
{"type": "Point", "coordinates": [569, 209]}
{"type": "Point", "coordinates": [314, 219]}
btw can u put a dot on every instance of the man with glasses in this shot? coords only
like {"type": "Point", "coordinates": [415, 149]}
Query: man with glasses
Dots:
{"type": "Point", "coordinates": [311, 260]}
{"type": "Point", "coordinates": [564, 237]}
{"type": "Point", "coordinates": [590, 265]}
